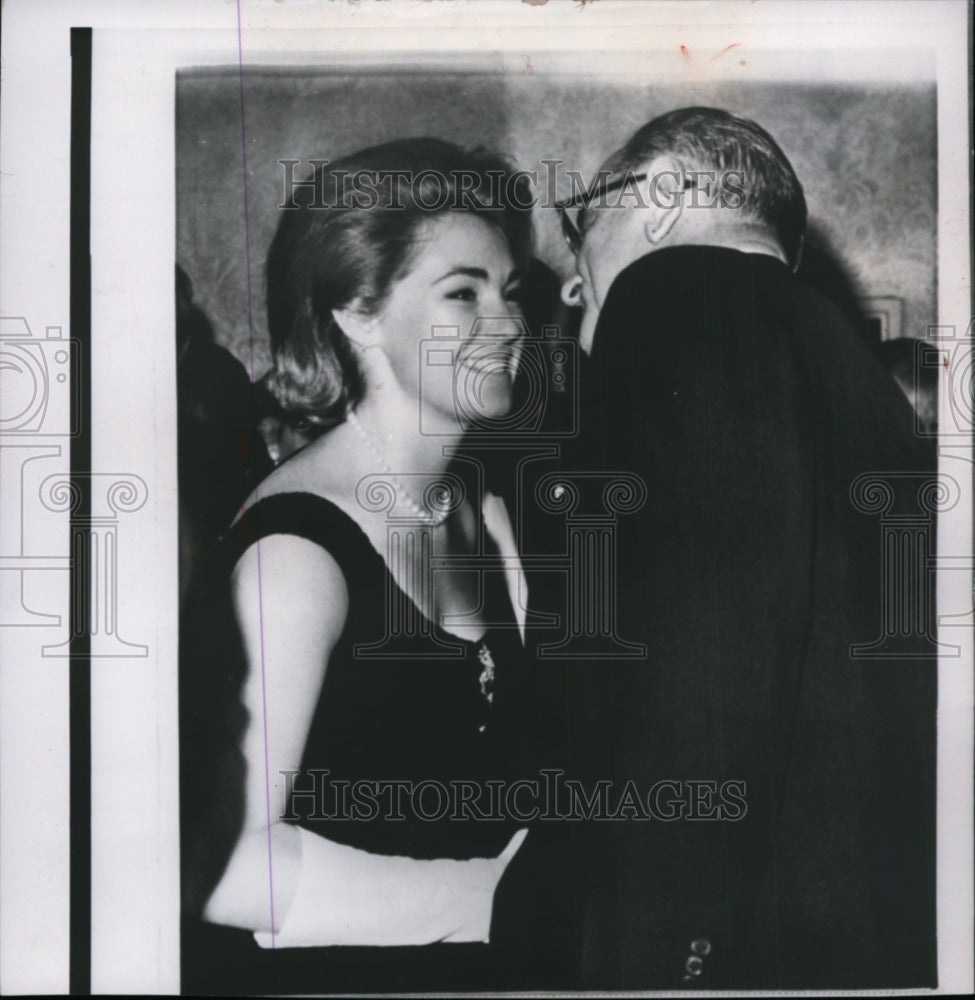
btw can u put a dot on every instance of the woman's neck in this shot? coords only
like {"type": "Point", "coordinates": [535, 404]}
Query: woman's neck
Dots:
{"type": "Point", "coordinates": [407, 439]}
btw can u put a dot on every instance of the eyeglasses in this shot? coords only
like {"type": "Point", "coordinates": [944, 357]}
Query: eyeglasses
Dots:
{"type": "Point", "coordinates": [571, 232]}
{"type": "Point", "coordinates": [573, 235]}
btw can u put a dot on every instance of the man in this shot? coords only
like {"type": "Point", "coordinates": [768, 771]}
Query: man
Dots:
{"type": "Point", "coordinates": [787, 835]}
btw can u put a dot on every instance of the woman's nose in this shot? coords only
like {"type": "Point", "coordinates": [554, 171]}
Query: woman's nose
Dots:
{"type": "Point", "coordinates": [572, 291]}
{"type": "Point", "coordinates": [503, 327]}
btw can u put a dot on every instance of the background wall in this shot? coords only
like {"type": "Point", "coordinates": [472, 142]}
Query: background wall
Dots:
{"type": "Point", "coordinates": [867, 157]}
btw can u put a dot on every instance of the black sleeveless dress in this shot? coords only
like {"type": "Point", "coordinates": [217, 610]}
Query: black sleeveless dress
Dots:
{"type": "Point", "coordinates": [404, 705]}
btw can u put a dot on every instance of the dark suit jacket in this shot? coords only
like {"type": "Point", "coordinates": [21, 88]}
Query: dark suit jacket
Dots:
{"type": "Point", "coordinates": [749, 406]}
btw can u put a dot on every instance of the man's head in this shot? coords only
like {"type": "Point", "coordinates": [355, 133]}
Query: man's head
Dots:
{"type": "Point", "coordinates": [692, 176]}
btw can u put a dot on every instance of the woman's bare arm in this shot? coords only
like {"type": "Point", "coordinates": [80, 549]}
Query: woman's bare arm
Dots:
{"type": "Point", "coordinates": [291, 601]}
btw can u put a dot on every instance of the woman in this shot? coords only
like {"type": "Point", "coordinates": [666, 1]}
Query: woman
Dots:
{"type": "Point", "coordinates": [345, 661]}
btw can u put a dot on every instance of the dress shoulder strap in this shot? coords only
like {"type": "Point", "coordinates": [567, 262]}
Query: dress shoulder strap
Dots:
{"type": "Point", "coordinates": [305, 515]}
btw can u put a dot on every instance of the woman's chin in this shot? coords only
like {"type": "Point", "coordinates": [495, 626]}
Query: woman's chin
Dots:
{"type": "Point", "coordinates": [493, 403]}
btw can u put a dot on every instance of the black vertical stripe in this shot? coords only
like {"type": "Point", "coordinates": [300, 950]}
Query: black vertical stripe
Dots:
{"type": "Point", "coordinates": [80, 649]}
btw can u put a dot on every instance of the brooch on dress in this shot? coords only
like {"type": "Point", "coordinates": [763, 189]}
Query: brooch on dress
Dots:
{"type": "Point", "coordinates": [486, 680]}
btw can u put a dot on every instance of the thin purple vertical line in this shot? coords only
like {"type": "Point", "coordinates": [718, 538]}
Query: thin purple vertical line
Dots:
{"type": "Point", "coordinates": [260, 589]}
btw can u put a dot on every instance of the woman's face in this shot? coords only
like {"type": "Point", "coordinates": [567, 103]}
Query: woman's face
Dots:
{"type": "Point", "coordinates": [451, 327]}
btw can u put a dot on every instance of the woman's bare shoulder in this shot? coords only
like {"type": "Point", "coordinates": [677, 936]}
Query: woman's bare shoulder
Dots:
{"type": "Point", "coordinates": [320, 468]}
{"type": "Point", "coordinates": [288, 575]}
{"type": "Point", "coordinates": [290, 583]}
{"type": "Point", "coordinates": [299, 474]}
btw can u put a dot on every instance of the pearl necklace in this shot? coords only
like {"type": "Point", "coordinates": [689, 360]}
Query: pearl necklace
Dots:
{"type": "Point", "coordinates": [423, 513]}
{"type": "Point", "coordinates": [487, 675]}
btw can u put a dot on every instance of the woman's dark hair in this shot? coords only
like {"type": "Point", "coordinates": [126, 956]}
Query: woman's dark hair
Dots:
{"type": "Point", "coordinates": [348, 234]}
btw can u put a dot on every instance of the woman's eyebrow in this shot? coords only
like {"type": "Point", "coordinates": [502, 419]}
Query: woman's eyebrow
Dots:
{"type": "Point", "coordinates": [468, 272]}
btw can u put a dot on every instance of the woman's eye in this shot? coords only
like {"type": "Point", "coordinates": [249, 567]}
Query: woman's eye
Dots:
{"type": "Point", "coordinates": [513, 295]}
{"type": "Point", "coordinates": [463, 295]}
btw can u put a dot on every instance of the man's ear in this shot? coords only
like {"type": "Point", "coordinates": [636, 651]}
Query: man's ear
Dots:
{"type": "Point", "coordinates": [357, 325]}
{"type": "Point", "coordinates": [666, 188]}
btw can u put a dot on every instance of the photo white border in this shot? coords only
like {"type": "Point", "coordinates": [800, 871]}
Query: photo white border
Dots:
{"type": "Point", "coordinates": [137, 49]}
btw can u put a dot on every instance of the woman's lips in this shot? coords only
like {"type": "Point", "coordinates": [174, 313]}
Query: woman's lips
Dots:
{"type": "Point", "coordinates": [489, 358]}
